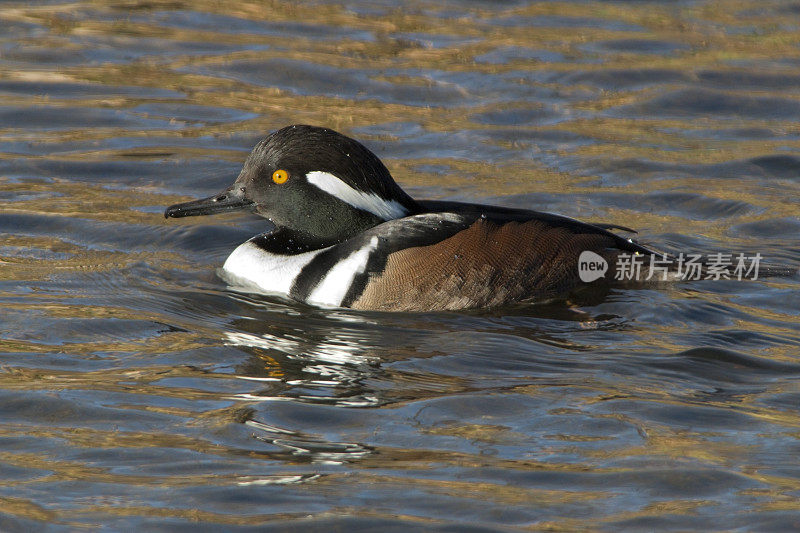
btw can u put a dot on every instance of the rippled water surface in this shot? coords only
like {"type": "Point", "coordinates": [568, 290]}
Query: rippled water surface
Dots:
{"type": "Point", "coordinates": [138, 393]}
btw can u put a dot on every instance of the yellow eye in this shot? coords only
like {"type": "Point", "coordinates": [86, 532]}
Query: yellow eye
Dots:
{"type": "Point", "coordinates": [280, 176]}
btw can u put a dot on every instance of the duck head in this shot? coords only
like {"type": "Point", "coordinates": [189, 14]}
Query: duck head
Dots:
{"type": "Point", "coordinates": [313, 181]}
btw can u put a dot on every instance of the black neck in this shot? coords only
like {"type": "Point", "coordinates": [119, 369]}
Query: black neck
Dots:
{"type": "Point", "coordinates": [285, 241]}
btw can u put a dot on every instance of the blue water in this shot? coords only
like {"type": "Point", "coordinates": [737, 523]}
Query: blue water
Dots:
{"type": "Point", "coordinates": [137, 392]}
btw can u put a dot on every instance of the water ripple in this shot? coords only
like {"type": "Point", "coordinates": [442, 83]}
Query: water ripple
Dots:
{"type": "Point", "coordinates": [140, 393]}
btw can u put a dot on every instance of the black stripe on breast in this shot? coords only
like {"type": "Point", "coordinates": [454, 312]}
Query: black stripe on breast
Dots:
{"type": "Point", "coordinates": [315, 271]}
{"type": "Point", "coordinates": [376, 263]}
{"type": "Point", "coordinates": [433, 229]}
{"type": "Point", "coordinates": [394, 235]}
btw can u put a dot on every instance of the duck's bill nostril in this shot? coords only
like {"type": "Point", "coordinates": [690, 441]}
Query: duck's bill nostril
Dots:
{"type": "Point", "coordinates": [219, 203]}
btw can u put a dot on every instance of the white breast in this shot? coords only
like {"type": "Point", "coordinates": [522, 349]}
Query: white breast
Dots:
{"type": "Point", "coordinates": [253, 268]}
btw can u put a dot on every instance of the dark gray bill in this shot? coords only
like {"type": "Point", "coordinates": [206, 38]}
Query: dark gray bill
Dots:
{"type": "Point", "coordinates": [225, 201]}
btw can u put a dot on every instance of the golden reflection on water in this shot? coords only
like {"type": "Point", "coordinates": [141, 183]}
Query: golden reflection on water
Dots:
{"type": "Point", "coordinates": [430, 63]}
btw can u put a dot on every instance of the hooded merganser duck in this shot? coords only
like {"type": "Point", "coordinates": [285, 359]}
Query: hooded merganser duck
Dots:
{"type": "Point", "coordinates": [346, 235]}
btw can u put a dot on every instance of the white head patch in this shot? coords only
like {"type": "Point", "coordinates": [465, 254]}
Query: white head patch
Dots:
{"type": "Point", "coordinates": [372, 203]}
